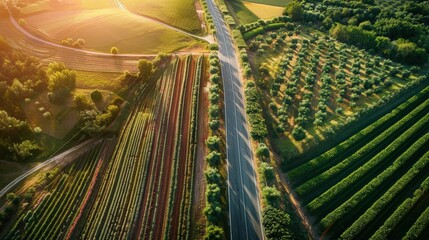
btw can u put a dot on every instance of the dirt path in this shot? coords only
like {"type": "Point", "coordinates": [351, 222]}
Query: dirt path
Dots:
{"type": "Point", "coordinates": [297, 206]}
{"type": "Point", "coordinates": [198, 198]}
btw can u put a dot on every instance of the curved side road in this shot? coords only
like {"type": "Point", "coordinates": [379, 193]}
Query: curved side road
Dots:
{"type": "Point", "coordinates": [78, 59]}
{"type": "Point", "coordinates": [62, 157]}
{"type": "Point", "coordinates": [244, 209]}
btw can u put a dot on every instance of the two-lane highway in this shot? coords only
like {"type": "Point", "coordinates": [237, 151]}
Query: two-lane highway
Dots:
{"type": "Point", "coordinates": [244, 209]}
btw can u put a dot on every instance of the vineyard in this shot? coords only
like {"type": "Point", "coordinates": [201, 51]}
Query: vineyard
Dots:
{"type": "Point", "coordinates": [315, 86]}
{"type": "Point", "coordinates": [139, 188]}
{"type": "Point", "coordinates": [374, 184]}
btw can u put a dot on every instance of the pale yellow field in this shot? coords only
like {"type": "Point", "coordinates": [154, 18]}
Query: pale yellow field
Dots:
{"type": "Point", "coordinates": [264, 11]}
{"type": "Point", "coordinates": [178, 13]}
{"type": "Point", "coordinates": [103, 28]}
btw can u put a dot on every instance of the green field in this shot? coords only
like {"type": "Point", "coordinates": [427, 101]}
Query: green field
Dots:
{"type": "Point", "coordinates": [129, 33]}
{"type": "Point", "coordinates": [240, 12]}
{"type": "Point", "coordinates": [98, 80]}
{"type": "Point", "coordinates": [178, 13]}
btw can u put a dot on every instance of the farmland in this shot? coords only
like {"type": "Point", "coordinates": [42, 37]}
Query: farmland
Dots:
{"type": "Point", "coordinates": [264, 11]}
{"type": "Point", "coordinates": [361, 182]}
{"type": "Point", "coordinates": [129, 33]}
{"type": "Point", "coordinates": [143, 178]}
{"type": "Point", "coordinates": [179, 13]}
{"type": "Point", "coordinates": [315, 85]}
{"type": "Point", "coordinates": [347, 128]}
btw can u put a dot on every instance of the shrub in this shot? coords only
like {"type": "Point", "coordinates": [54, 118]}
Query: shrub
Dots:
{"type": "Point", "coordinates": [276, 224]}
{"type": "Point", "coordinates": [214, 125]}
{"type": "Point", "coordinates": [262, 151]}
{"type": "Point", "coordinates": [213, 158]}
{"type": "Point", "coordinates": [96, 96]}
{"type": "Point", "coordinates": [214, 232]}
{"type": "Point", "coordinates": [213, 143]}
{"type": "Point", "coordinates": [267, 171]}
{"type": "Point", "coordinates": [271, 195]}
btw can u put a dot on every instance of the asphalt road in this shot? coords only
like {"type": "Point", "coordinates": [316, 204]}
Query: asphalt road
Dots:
{"type": "Point", "coordinates": [244, 209]}
{"type": "Point", "coordinates": [58, 159]}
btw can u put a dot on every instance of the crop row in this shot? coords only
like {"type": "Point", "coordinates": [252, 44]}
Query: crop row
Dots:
{"type": "Point", "coordinates": [359, 196]}
{"type": "Point", "coordinates": [363, 153]}
{"type": "Point", "coordinates": [399, 214]}
{"type": "Point", "coordinates": [335, 154]}
{"type": "Point", "coordinates": [120, 194]}
{"type": "Point", "coordinates": [58, 206]}
{"type": "Point", "coordinates": [382, 202]}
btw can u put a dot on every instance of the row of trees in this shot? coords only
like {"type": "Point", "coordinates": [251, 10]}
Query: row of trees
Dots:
{"type": "Point", "coordinates": [215, 183]}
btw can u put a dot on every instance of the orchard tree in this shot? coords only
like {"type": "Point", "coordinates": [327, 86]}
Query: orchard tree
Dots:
{"type": "Point", "coordinates": [298, 133]}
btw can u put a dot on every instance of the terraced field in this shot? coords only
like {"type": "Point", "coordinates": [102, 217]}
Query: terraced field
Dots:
{"type": "Point", "coordinates": [375, 184]}
{"type": "Point", "coordinates": [144, 189]}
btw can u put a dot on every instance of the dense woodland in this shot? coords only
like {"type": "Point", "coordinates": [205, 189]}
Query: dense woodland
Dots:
{"type": "Point", "coordinates": [395, 29]}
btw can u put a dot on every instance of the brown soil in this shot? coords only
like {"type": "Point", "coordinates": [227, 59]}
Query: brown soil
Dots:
{"type": "Point", "coordinates": [198, 199]}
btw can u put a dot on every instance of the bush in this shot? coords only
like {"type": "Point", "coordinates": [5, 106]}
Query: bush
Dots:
{"type": "Point", "coordinates": [214, 232]}
{"type": "Point", "coordinates": [262, 151]}
{"type": "Point", "coordinates": [276, 224]}
{"type": "Point", "coordinates": [213, 158]}
{"type": "Point", "coordinates": [267, 171]}
{"type": "Point", "coordinates": [26, 149]}
{"type": "Point", "coordinates": [83, 102]}
{"type": "Point", "coordinates": [271, 195]}
{"type": "Point", "coordinates": [214, 125]}
{"type": "Point", "coordinates": [213, 143]}
{"type": "Point", "coordinates": [213, 176]}
{"type": "Point", "coordinates": [96, 96]}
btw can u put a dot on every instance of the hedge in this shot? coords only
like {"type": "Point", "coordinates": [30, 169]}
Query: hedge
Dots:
{"type": "Point", "coordinates": [381, 203]}
{"type": "Point", "coordinates": [371, 186]}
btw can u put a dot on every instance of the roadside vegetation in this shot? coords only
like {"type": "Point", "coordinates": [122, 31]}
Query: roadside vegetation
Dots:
{"type": "Point", "coordinates": [345, 119]}
{"type": "Point", "coordinates": [215, 173]}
